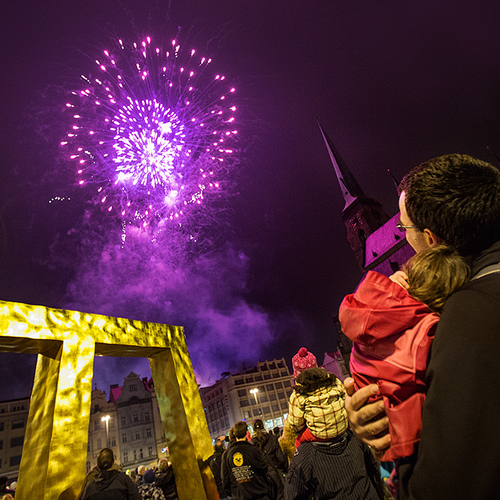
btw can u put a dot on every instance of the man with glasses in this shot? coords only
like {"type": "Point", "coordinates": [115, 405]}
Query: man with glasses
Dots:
{"type": "Point", "coordinates": [453, 199]}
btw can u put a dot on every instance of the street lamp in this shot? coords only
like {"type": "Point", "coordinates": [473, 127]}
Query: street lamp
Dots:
{"type": "Point", "coordinates": [106, 419]}
{"type": "Point", "coordinates": [255, 392]}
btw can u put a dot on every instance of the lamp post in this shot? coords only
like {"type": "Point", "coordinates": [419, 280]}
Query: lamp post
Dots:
{"type": "Point", "coordinates": [255, 392]}
{"type": "Point", "coordinates": [106, 419]}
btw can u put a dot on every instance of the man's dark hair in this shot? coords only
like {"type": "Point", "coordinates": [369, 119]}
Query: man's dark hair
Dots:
{"type": "Point", "coordinates": [312, 379]}
{"type": "Point", "coordinates": [219, 447]}
{"type": "Point", "coordinates": [457, 197]}
{"type": "Point", "coordinates": [105, 459]}
{"type": "Point", "coordinates": [240, 429]}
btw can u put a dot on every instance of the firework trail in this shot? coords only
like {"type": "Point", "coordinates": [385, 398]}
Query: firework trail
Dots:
{"type": "Point", "coordinates": [153, 133]}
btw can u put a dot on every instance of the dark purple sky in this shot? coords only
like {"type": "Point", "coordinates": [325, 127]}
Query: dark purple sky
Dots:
{"type": "Point", "coordinates": [393, 83]}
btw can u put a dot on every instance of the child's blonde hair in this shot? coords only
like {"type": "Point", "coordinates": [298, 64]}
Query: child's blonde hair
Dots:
{"type": "Point", "coordinates": [434, 274]}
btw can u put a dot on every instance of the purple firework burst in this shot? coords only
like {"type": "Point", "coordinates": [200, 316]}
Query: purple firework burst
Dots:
{"type": "Point", "coordinates": [153, 132]}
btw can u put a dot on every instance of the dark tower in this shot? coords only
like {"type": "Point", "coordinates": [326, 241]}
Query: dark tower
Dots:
{"type": "Point", "coordinates": [361, 215]}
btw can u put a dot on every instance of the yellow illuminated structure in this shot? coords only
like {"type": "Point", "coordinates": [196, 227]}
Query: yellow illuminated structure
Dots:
{"type": "Point", "coordinates": [55, 446]}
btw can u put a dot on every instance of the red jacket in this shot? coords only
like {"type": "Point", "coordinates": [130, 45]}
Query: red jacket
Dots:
{"type": "Point", "coordinates": [392, 334]}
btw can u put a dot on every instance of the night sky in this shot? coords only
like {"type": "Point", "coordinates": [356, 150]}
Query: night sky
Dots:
{"type": "Point", "coordinates": [393, 83]}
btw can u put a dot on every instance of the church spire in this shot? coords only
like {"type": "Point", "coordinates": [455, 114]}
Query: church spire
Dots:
{"type": "Point", "coordinates": [350, 188]}
{"type": "Point", "coordinates": [361, 215]}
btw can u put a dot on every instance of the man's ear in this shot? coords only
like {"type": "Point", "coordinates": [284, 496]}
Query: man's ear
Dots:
{"type": "Point", "coordinates": [432, 239]}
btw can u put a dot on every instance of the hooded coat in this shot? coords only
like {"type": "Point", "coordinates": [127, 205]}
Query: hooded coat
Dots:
{"type": "Point", "coordinates": [110, 484]}
{"type": "Point", "coordinates": [392, 335]}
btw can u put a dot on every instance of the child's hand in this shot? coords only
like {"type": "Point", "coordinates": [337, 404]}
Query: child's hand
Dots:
{"type": "Point", "coordinates": [400, 278]}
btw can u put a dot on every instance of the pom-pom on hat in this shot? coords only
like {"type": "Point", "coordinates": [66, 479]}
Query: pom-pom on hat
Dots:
{"type": "Point", "coordinates": [303, 360]}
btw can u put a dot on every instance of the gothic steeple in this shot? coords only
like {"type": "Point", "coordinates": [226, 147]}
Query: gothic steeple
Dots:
{"type": "Point", "coordinates": [361, 215]}
{"type": "Point", "coordinates": [349, 186]}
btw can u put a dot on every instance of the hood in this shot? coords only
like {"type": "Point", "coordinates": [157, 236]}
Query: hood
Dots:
{"type": "Point", "coordinates": [486, 258]}
{"type": "Point", "coordinates": [379, 308]}
{"type": "Point", "coordinates": [105, 478]}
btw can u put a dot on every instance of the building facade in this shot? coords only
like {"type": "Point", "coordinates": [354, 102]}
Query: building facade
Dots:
{"type": "Point", "coordinates": [103, 427]}
{"type": "Point", "coordinates": [13, 419]}
{"type": "Point", "coordinates": [259, 392]}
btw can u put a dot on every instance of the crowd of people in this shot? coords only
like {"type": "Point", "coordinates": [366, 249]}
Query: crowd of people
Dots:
{"type": "Point", "coordinates": [424, 361]}
{"type": "Point", "coordinates": [108, 481]}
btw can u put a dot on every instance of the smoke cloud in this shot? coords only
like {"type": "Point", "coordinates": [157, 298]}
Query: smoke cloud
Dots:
{"type": "Point", "coordinates": [161, 279]}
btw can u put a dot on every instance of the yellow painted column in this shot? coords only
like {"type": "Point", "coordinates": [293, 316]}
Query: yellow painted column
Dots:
{"type": "Point", "coordinates": [183, 420]}
{"type": "Point", "coordinates": [67, 389]}
{"type": "Point", "coordinates": [34, 465]}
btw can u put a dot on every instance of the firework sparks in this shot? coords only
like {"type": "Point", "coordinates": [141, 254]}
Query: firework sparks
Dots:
{"type": "Point", "coordinates": [153, 132]}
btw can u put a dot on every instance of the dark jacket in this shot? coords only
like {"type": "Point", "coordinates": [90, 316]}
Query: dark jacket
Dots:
{"type": "Point", "coordinates": [245, 464]}
{"type": "Point", "coordinates": [230, 486]}
{"type": "Point", "coordinates": [459, 452]}
{"type": "Point", "coordinates": [343, 469]}
{"type": "Point", "coordinates": [271, 450]}
{"type": "Point", "coordinates": [215, 465]}
{"type": "Point", "coordinates": [166, 481]}
{"type": "Point", "coordinates": [110, 485]}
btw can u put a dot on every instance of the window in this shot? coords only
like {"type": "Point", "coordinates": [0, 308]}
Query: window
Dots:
{"type": "Point", "coordinates": [281, 364]}
{"type": "Point", "coordinates": [18, 424]}
{"type": "Point", "coordinates": [284, 373]}
{"type": "Point", "coordinates": [15, 460]}
{"type": "Point", "coordinates": [287, 383]}
{"type": "Point", "coordinates": [276, 408]}
{"type": "Point", "coordinates": [272, 366]}
{"type": "Point", "coordinates": [258, 378]}
{"type": "Point", "coordinates": [125, 457]}
{"type": "Point", "coordinates": [140, 453]}
{"type": "Point", "coordinates": [270, 387]}
{"type": "Point", "coordinates": [146, 416]}
{"type": "Point", "coordinates": [1, 444]}
{"type": "Point", "coordinates": [123, 420]}
{"type": "Point", "coordinates": [150, 451]}
{"type": "Point", "coordinates": [266, 410]}
{"type": "Point", "coordinates": [113, 441]}
{"type": "Point", "coordinates": [264, 399]}
{"type": "Point", "coordinates": [17, 441]}
{"type": "Point", "coordinates": [244, 402]}
{"type": "Point", "coordinates": [256, 413]}
{"type": "Point", "coordinates": [281, 395]}
{"type": "Point", "coordinates": [1, 426]}
{"type": "Point", "coordinates": [132, 387]}
{"type": "Point", "coordinates": [99, 443]}
{"type": "Point", "coordinates": [136, 417]}
{"type": "Point", "coordinates": [96, 425]}
{"type": "Point", "coordinates": [278, 385]}
{"type": "Point", "coordinates": [148, 433]}
{"type": "Point", "coordinates": [135, 455]}
{"type": "Point", "coordinates": [124, 438]}
{"type": "Point", "coordinates": [238, 381]}
{"type": "Point", "coordinates": [249, 380]}
{"type": "Point", "coordinates": [137, 434]}
{"type": "Point", "coordinates": [276, 375]}
{"type": "Point", "coordinates": [267, 376]}
{"type": "Point", "coordinates": [242, 393]}
{"type": "Point", "coordinates": [112, 424]}
{"type": "Point", "coordinates": [272, 397]}
{"type": "Point", "coordinates": [0, 463]}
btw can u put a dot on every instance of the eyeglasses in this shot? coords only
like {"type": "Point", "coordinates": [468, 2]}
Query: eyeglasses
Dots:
{"type": "Point", "coordinates": [403, 228]}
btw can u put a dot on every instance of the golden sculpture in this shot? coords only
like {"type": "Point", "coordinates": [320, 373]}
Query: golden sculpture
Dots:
{"type": "Point", "coordinates": [55, 446]}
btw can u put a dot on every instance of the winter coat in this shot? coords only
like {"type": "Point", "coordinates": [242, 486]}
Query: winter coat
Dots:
{"type": "Point", "coordinates": [459, 451]}
{"type": "Point", "coordinates": [110, 485]}
{"type": "Point", "coordinates": [392, 334]}
{"type": "Point", "coordinates": [342, 469]}
{"type": "Point", "coordinates": [323, 412]}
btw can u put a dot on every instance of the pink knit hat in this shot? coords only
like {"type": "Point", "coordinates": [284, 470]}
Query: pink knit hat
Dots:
{"type": "Point", "coordinates": [303, 360]}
